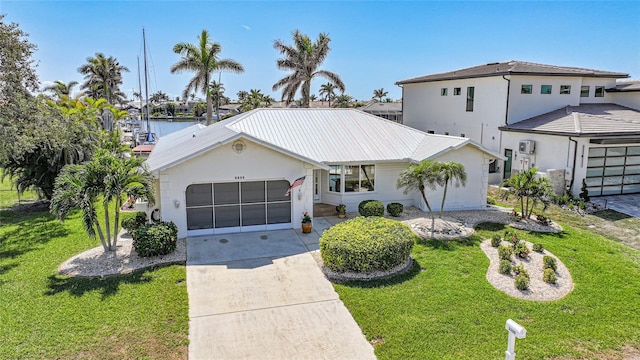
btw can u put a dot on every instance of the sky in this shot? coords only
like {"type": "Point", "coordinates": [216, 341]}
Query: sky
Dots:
{"type": "Point", "coordinates": [373, 43]}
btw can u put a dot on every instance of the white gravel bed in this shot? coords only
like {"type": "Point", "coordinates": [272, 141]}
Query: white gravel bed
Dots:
{"type": "Point", "coordinates": [538, 289]}
{"type": "Point", "coordinates": [97, 262]}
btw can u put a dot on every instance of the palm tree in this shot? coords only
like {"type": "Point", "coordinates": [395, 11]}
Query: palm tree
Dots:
{"type": "Point", "coordinates": [343, 101]}
{"type": "Point", "coordinates": [379, 94]}
{"type": "Point", "coordinates": [420, 177]}
{"type": "Point", "coordinates": [202, 58]}
{"type": "Point", "coordinates": [451, 172]}
{"type": "Point", "coordinates": [313, 97]}
{"type": "Point", "coordinates": [242, 95]}
{"type": "Point", "coordinates": [529, 189]}
{"type": "Point", "coordinates": [302, 60]}
{"type": "Point", "coordinates": [103, 77]}
{"type": "Point", "coordinates": [217, 92]}
{"type": "Point", "coordinates": [328, 90]}
{"type": "Point", "coordinates": [61, 89]}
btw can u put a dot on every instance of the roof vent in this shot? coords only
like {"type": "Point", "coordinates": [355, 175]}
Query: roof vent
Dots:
{"type": "Point", "coordinates": [493, 63]}
{"type": "Point", "coordinates": [239, 146]}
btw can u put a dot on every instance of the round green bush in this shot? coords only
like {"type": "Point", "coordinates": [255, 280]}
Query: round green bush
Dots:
{"type": "Point", "coordinates": [505, 267]}
{"type": "Point", "coordinates": [395, 209]}
{"type": "Point", "coordinates": [521, 282]}
{"type": "Point", "coordinates": [155, 239]}
{"type": "Point", "coordinates": [520, 249]}
{"type": "Point", "coordinates": [550, 263]}
{"type": "Point", "coordinates": [549, 276]}
{"type": "Point", "coordinates": [504, 252]}
{"type": "Point", "coordinates": [537, 247]}
{"type": "Point", "coordinates": [366, 244]}
{"type": "Point", "coordinates": [496, 240]}
{"type": "Point", "coordinates": [520, 270]}
{"type": "Point", "coordinates": [371, 208]}
{"type": "Point", "coordinates": [132, 221]}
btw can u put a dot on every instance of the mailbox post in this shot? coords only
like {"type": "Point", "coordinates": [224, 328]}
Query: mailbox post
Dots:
{"type": "Point", "coordinates": [515, 331]}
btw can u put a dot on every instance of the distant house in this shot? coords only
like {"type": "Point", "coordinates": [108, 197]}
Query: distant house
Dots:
{"type": "Point", "coordinates": [234, 175]}
{"type": "Point", "coordinates": [494, 103]}
{"type": "Point", "coordinates": [387, 110]}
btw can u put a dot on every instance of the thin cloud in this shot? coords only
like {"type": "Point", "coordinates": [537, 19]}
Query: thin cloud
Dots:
{"type": "Point", "coordinates": [246, 27]}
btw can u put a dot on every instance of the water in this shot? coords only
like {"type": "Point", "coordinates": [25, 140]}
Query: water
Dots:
{"type": "Point", "coordinates": [162, 128]}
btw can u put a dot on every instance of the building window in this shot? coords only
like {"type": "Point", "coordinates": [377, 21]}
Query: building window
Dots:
{"type": "Point", "coordinates": [565, 89]}
{"type": "Point", "coordinates": [430, 132]}
{"type": "Point", "coordinates": [584, 91]}
{"type": "Point", "coordinates": [356, 178]}
{"type": "Point", "coordinates": [526, 89]}
{"type": "Point", "coordinates": [443, 91]}
{"type": "Point", "coordinates": [461, 135]}
{"type": "Point", "coordinates": [457, 91]}
{"type": "Point", "coordinates": [470, 95]}
{"type": "Point", "coordinates": [493, 166]}
{"type": "Point", "coordinates": [545, 89]}
{"type": "Point", "coordinates": [599, 91]}
{"type": "Point", "coordinates": [446, 133]}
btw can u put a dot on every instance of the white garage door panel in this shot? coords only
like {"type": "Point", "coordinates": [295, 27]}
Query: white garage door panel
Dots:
{"type": "Point", "coordinates": [613, 170]}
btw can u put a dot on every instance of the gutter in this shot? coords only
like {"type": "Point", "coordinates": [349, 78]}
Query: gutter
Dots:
{"type": "Point", "coordinates": [573, 168]}
{"type": "Point", "coordinates": [506, 111]}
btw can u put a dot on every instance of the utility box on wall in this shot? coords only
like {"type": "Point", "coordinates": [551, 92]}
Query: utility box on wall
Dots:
{"type": "Point", "coordinates": [527, 147]}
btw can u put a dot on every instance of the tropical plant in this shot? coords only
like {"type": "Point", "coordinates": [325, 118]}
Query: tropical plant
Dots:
{"type": "Point", "coordinates": [584, 192]}
{"type": "Point", "coordinates": [199, 109]}
{"type": "Point", "coordinates": [327, 92]}
{"type": "Point", "coordinates": [202, 58]}
{"type": "Point", "coordinates": [379, 94]}
{"type": "Point", "coordinates": [302, 60]}
{"type": "Point", "coordinates": [254, 99]}
{"type": "Point", "coordinates": [103, 77]}
{"type": "Point", "coordinates": [395, 209]}
{"type": "Point", "coordinates": [60, 89]}
{"type": "Point", "coordinates": [217, 93]}
{"type": "Point", "coordinates": [342, 101]}
{"type": "Point", "coordinates": [242, 95]}
{"type": "Point", "coordinates": [421, 177]}
{"type": "Point", "coordinates": [529, 189]}
{"type": "Point", "coordinates": [313, 97]}
{"type": "Point", "coordinates": [158, 97]}
{"type": "Point", "coordinates": [450, 172]}
{"type": "Point", "coordinates": [108, 179]}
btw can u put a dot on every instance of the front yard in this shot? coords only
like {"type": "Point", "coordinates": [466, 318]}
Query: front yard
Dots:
{"type": "Point", "coordinates": [47, 316]}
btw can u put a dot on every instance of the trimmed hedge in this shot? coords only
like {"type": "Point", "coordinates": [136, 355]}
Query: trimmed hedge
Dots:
{"type": "Point", "coordinates": [133, 221]}
{"type": "Point", "coordinates": [371, 208]}
{"type": "Point", "coordinates": [366, 244]}
{"type": "Point", "coordinates": [395, 209]}
{"type": "Point", "coordinates": [155, 239]}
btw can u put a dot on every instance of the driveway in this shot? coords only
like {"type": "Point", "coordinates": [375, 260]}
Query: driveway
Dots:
{"type": "Point", "coordinates": [261, 296]}
{"type": "Point", "coordinates": [626, 204]}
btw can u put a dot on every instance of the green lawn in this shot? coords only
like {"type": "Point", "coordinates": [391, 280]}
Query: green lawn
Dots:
{"type": "Point", "coordinates": [446, 309]}
{"type": "Point", "coordinates": [9, 195]}
{"type": "Point", "coordinates": [47, 316]}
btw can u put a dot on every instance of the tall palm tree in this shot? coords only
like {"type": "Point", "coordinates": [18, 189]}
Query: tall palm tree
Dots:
{"type": "Point", "coordinates": [302, 59]}
{"type": "Point", "coordinates": [379, 94]}
{"type": "Point", "coordinates": [217, 92]}
{"type": "Point", "coordinates": [342, 101]}
{"type": "Point", "coordinates": [242, 95]}
{"type": "Point", "coordinates": [202, 58]}
{"type": "Point", "coordinates": [419, 177]}
{"type": "Point", "coordinates": [327, 91]}
{"type": "Point", "coordinates": [103, 77]}
{"type": "Point", "coordinates": [61, 89]}
{"type": "Point", "coordinates": [451, 172]}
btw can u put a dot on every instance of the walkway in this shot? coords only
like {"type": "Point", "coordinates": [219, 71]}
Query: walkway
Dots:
{"type": "Point", "coordinates": [261, 296]}
{"type": "Point", "coordinates": [626, 204]}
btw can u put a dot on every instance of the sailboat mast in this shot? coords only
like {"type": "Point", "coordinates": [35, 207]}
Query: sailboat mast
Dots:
{"type": "Point", "coordinates": [139, 84]}
{"type": "Point", "coordinates": [146, 86]}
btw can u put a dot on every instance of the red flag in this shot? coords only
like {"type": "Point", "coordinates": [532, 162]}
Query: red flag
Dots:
{"type": "Point", "coordinates": [299, 181]}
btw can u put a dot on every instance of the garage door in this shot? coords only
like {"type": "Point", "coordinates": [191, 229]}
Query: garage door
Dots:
{"type": "Point", "coordinates": [613, 170]}
{"type": "Point", "coordinates": [238, 206]}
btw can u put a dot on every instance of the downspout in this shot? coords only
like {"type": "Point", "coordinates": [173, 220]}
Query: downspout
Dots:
{"type": "Point", "coordinates": [402, 103]}
{"type": "Point", "coordinates": [506, 112]}
{"type": "Point", "coordinates": [573, 169]}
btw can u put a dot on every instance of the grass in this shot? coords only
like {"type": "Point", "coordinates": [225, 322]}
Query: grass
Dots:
{"type": "Point", "coordinates": [45, 315]}
{"type": "Point", "coordinates": [9, 195]}
{"type": "Point", "coordinates": [446, 309]}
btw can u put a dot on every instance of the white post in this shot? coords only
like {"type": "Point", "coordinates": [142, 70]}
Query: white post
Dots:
{"type": "Point", "coordinates": [515, 331]}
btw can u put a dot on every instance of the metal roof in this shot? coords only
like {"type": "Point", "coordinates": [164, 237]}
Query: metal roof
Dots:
{"type": "Point", "coordinates": [513, 67]}
{"type": "Point", "coordinates": [584, 120]}
{"type": "Point", "coordinates": [383, 108]}
{"type": "Point", "coordinates": [318, 136]}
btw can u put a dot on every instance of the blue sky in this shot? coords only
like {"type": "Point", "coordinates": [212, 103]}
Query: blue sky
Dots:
{"type": "Point", "coordinates": [374, 44]}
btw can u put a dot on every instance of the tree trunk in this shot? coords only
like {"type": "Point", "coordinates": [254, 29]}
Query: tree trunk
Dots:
{"type": "Point", "coordinates": [116, 222]}
{"type": "Point", "coordinates": [101, 236]}
{"type": "Point", "coordinates": [433, 218]}
{"type": "Point", "coordinates": [522, 206]}
{"type": "Point", "coordinates": [209, 109]}
{"type": "Point", "coordinates": [107, 227]}
{"type": "Point", "coordinates": [306, 94]}
{"type": "Point", "coordinates": [444, 196]}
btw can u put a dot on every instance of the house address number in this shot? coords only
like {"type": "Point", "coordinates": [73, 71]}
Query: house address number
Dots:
{"type": "Point", "coordinates": [239, 177]}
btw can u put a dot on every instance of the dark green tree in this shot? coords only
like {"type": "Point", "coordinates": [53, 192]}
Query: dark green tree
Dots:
{"type": "Point", "coordinates": [102, 78]}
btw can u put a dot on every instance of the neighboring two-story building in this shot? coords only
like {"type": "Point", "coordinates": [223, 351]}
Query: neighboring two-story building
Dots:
{"type": "Point", "coordinates": [572, 123]}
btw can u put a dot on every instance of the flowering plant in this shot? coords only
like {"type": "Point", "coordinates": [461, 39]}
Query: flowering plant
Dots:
{"type": "Point", "coordinates": [306, 218]}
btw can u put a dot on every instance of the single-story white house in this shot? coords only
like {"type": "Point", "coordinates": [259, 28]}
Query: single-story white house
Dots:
{"type": "Point", "coordinates": [233, 176]}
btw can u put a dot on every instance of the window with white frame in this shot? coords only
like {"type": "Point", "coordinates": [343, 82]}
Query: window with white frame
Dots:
{"type": "Point", "coordinates": [565, 89]}
{"type": "Point", "coordinates": [545, 89]}
{"type": "Point", "coordinates": [356, 178]}
{"type": "Point", "coordinates": [457, 91]}
{"type": "Point", "coordinates": [584, 91]}
{"type": "Point", "coordinates": [526, 89]}
{"type": "Point", "coordinates": [599, 91]}
{"type": "Point", "coordinates": [444, 91]}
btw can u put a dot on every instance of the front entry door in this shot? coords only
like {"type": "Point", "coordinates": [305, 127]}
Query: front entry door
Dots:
{"type": "Point", "coordinates": [316, 185]}
{"type": "Point", "coordinates": [508, 153]}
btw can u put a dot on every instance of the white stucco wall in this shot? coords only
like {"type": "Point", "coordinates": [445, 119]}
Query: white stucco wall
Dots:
{"type": "Point", "coordinates": [223, 164]}
{"type": "Point", "coordinates": [525, 106]}
{"type": "Point", "coordinates": [629, 99]}
{"type": "Point", "coordinates": [592, 83]}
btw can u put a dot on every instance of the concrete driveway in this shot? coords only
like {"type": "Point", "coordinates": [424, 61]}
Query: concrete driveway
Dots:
{"type": "Point", "coordinates": [626, 204]}
{"type": "Point", "coordinates": [261, 296]}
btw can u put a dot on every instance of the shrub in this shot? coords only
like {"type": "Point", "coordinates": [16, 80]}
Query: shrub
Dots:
{"type": "Point", "coordinates": [395, 209]}
{"type": "Point", "coordinates": [549, 276]}
{"type": "Point", "coordinates": [341, 209]}
{"type": "Point", "coordinates": [366, 244]}
{"type": "Point", "coordinates": [584, 193]}
{"type": "Point", "coordinates": [520, 249]}
{"type": "Point", "coordinates": [520, 270]}
{"type": "Point", "coordinates": [504, 252]}
{"type": "Point", "coordinates": [491, 201]}
{"type": "Point", "coordinates": [505, 267]}
{"type": "Point", "coordinates": [511, 237]}
{"type": "Point", "coordinates": [543, 220]}
{"type": "Point", "coordinates": [133, 221]}
{"type": "Point", "coordinates": [496, 240]}
{"type": "Point", "coordinates": [155, 239]}
{"type": "Point", "coordinates": [537, 247]}
{"type": "Point", "coordinates": [521, 282]}
{"type": "Point", "coordinates": [550, 263]}
{"type": "Point", "coordinates": [371, 208]}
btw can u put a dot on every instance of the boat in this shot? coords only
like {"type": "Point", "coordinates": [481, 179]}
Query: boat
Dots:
{"type": "Point", "coordinates": [147, 137]}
